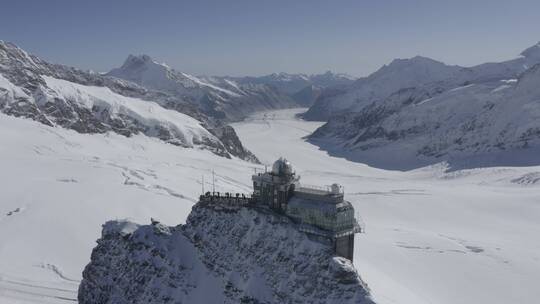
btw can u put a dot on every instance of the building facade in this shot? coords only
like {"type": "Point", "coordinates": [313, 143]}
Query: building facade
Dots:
{"type": "Point", "coordinates": [318, 211]}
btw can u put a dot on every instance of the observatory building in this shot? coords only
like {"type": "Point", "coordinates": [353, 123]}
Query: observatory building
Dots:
{"type": "Point", "coordinates": [318, 211]}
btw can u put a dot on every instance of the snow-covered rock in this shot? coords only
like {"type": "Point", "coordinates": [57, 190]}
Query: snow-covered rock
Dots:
{"type": "Point", "coordinates": [223, 254]}
{"type": "Point", "coordinates": [87, 102]}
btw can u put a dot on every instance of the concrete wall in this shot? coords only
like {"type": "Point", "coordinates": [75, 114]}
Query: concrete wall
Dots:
{"type": "Point", "coordinates": [344, 246]}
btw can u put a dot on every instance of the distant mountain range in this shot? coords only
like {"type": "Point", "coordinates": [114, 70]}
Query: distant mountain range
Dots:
{"type": "Point", "coordinates": [410, 113]}
{"type": "Point", "coordinates": [225, 97]}
{"type": "Point", "coordinates": [88, 102]}
{"type": "Point", "coordinates": [144, 96]}
{"type": "Point", "coordinates": [293, 83]}
{"type": "Point", "coordinates": [220, 98]}
{"type": "Point", "coordinates": [302, 88]}
{"type": "Point", "coordinates": [419, 111]}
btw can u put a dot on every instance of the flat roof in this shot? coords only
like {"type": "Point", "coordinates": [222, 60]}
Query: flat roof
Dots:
{"type": "Point", "coordinates": [327, 206]}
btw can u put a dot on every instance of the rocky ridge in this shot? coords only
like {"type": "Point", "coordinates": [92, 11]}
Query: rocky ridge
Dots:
{"type": "Point", "coordinates": [223, 254]}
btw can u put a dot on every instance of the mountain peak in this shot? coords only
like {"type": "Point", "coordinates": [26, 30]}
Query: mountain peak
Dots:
{"type": "Point", "coordinates": [138, 60]}
{"type": "Point", "coordinates": [12, 52]}
{"type": "Point", "coordinates": [528, 81]}
{"type": "Point", "coordinates": [331, 75]}
{"type": "Point", "coordinates": [532, 52]}
{"type": "Point", "coordinates": [416, 65]}
{"type": "Point", "coordinates": [414, 60]}
{"type": "Point", "coordinates": [7, 44]}
{"type": "Point", "coordinates": [141, 69]}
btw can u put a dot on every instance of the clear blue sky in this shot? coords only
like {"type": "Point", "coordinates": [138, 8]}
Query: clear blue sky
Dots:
{"type": "Point", "coordinates": [260, 37]}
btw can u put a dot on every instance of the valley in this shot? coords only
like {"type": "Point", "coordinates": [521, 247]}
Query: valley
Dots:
{"type": "Point", "coordinates": [263, 152]}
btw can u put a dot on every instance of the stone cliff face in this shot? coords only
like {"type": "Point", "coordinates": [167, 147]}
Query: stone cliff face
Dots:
{"type": "Point", "coordinates": [221, 255]}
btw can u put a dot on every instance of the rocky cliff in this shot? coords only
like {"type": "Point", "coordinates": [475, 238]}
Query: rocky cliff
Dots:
{"type": "Point", "coordinates": [221, 255]}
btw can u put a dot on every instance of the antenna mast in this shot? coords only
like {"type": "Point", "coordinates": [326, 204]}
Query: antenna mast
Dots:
{"type": "Point", "coordinates": [202, 184]}
{"type": "Point", "coordinates": [213, 182]}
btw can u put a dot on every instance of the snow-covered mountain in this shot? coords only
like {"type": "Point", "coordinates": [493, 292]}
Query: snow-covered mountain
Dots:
{"type": "Point", "coordinates": [420, 76]}
{"type": "Point", "coordinates": [293, 83]}
{"type": "Point", "coordinates": [223, 254]}
{"type": "Point", "coordinates": [428, 112]}
{"type": "Point", "coordinates": [219, 98]}
{"type": "Point", "coordinates": [87, 102]}
{"type": "Point", "coordinates": [415, 72]}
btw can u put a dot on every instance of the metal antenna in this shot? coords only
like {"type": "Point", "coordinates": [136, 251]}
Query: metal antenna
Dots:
{"type": "Point", "coordinates": [213, 182]}
{"type": "Point", "coordinates": [202, 184]}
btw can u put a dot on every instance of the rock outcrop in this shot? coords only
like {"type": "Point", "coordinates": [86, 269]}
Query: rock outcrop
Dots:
{"type": "Point", "coordinates": [223, 254]}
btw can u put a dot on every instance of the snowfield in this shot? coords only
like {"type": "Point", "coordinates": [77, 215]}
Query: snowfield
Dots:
{"type": "Point", "coordinates": [468, 236]}
{"type": "Point", "coordinates": [149, 114]}
{"type": "Point", "coordinates": [59, 187]}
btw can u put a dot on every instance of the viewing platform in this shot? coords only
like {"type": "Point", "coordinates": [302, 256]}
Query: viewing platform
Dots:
{"type": "Point", "coordinates": [234, 199]}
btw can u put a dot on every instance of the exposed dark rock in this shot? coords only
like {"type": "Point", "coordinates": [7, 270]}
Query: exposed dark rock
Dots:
{"type": "Point", "coordinates": [223, 254]}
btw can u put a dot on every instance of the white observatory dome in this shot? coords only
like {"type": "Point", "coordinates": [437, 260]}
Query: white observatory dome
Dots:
{"type": "Point", "coordinates": [282, 167]}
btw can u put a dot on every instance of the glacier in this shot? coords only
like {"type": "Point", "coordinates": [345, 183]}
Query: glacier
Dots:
{"type": "Point", "coordinates": [432, 236]}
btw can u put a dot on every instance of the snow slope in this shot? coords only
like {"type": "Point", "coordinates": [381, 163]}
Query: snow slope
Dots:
{"type": "Point", "coordinates": [185, 128]}
{"type": "Point", "coordinates": [59, 186]}
{"type": "Point", "coordinates": [468, 236]}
